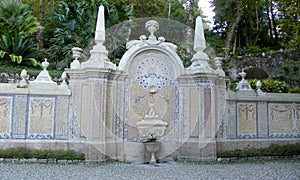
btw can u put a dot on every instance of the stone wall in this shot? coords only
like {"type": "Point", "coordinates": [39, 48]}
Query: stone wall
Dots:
{"type": "Point", "coordinates": [257, 121]}
{"type": "Point", "coordinates": [35, 114]}
{"type": "Point", "coordinates": [41, 119]}
{"type": "Point", "coordinates": [270, 62]}
{"type": "Point", "coordinates": [28, 113]}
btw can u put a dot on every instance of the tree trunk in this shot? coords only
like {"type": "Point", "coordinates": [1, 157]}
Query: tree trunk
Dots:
{"type": "Point", "coordinates": [274, 22]}
{"type": "Point", "coordinates": [169, 8]}
{"type": "Point", "coordinates": [233, 28]}
{"type": "Point", "coordinates": [190, 26]}
{"type": "Point", "coordinates": [298, 19]}
{"type": "Point", "coordinates": [191, 14]}
{"type": "Point", "coordinates": [40, 33]}
{"type": "Point", "coordinates": [269, 19]}
{"type": "Point", "coordinates": [257, 18]}
{"type": "Point", "coordinates": [234, 44]}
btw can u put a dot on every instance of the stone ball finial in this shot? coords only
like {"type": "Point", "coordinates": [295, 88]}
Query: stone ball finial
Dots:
{"type": "Point", "coordinates": [24, 74]}
{"type": "Point", "coordinates": [162, 39]}
{"type": "Point", "coordinates": [64, 77]}
{"type": "Point", "coordinates": [23, 83]}
{"type": "Point", "coordinates": [258, 85]}
{"type": "Point", "coordinates": [152, 26]}
{"type": "Point", "coordinates": [45, 64]}
{"type": "Point", "coordinates": [143, 37]}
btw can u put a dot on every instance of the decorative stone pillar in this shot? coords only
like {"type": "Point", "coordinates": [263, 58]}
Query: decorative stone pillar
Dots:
{"type": "Point", "coordinates": [200, 59]}
{"type": "Point", "coordinates": [99, 53]}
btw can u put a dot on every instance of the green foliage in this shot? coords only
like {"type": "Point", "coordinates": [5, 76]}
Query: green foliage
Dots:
{"type": "Point", "coordinates": [270, 86]}
{"type": "Point", "coordinates": [73, 29]}
{"type": "Point", "coordinates": [186, 58]}
{"type": "Point", "coordinates": [19, 153]}
{"type": "Point", "coordinates": [295, 90]}
{"type": "Point", "coordinates": [116, 38]}
{"type": "Point", "coordinates": [215, 41]}
{"type": "Point", "coordinates": [289, 72]}
{"type": "Point", "coordinates": [264, 24]}
{"type": "Point", "coordinates": [17, 49]}
{"type": "Point", "coordinates": [178, 13]}
{"type": "Point", "coordinates": [256, 73]}
{"type": "Point", "coordinates": [40, 154]}
{"type": "Point", "coordinates": [72, 23]}
{"type": "Point", "coordinates": [146, 8]}
{"type": "Point", "coordinates": [75, 26]}
{"type": "Point", "coordinates": [17, 27]}
{"type": "Point", "coordinates": [253, 50]}
{"type": "Point", "coordinates": [289, 22]}
{"type": "Point", "coordinates": [32, 71]}
{"type": "Point", "coordinates": [64, 154]}
{"type": "Point", "coordinates": [16, 16]}
{"type": "Point", "coordinates": [24, 153]}
{"type": "Point", "coordinates": [273, 150]}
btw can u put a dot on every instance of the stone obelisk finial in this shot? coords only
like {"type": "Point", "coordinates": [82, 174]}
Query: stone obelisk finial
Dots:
{"type": "Point", "coordinates": [199, 40]}
{"type": "Point", "coordinates": [100, 27]}
{"type": "Point", "coordinates": [99, 53]}
{"type": "Point", "coordinates": [200, 59]}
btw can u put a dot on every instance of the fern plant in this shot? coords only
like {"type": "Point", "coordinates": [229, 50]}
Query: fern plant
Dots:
{"type": "Point", "coordinates": [17, 29]}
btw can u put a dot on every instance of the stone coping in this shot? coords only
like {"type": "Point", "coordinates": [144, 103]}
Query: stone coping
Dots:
{"type": "Point", "coordinates": [268, 97]}
{"type": "Point", "coordinates": [14, 90]}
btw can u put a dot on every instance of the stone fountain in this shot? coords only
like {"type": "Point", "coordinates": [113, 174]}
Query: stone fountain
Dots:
{"type": "Point", "coordinates": [151, 128]}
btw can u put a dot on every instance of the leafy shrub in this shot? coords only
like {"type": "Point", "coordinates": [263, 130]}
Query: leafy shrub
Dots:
{"type": "Point", "coordinates": [289, 72]}
{"type": "Point", "coordinates": [270, 86]}
{"type": "Point", "coordinates": [19, 153]}
{"type": "Point", "coordinates": [80, 156]}
{"type": "Point", "coordinates": [31, 71]}
{"type": "Point", "coordinates": [22, 152]}
{"type": "Point", "coordinates": [253, 50]}
{"type": "Point", "coordinates": [40, 154]}
{"type": "Point", "coordinates": [273, 150]}
{"type": "Point", "coordinates": [62, 154]}
{"type": "Point", "coordinates": [295, 90]}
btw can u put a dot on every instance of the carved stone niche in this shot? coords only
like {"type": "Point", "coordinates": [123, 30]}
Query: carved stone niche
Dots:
{"type": "Point", "coordinates": [151, 126]}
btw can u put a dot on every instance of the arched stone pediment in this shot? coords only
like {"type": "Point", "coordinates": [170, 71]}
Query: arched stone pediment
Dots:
{"type": "Point", "coordinates": [151, 56]}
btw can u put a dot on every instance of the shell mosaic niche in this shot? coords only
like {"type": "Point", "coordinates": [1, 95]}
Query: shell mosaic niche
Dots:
{"type": "Point", "coordinates": [151, 69]}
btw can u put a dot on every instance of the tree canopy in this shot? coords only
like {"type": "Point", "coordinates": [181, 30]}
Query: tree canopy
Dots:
{"type": "Point", "coordinates": [267, 24]}
{"type": "Point", "coordinates": [51, 28]}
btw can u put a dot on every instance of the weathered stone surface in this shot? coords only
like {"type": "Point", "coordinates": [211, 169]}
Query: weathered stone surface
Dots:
{"type": "Point", "coordinates": [270, 62]}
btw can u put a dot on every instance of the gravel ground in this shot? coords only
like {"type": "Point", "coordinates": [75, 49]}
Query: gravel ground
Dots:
{"type": "Point", "coordinates": [285, 170]}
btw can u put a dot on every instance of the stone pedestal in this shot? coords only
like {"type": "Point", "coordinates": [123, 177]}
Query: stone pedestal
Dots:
{"type": "Point", "coordinates": [152, 147]}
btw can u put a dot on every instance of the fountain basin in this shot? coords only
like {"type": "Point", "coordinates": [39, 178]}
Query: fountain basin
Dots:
{"type": "Point", "coordinates": [151, 127]}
